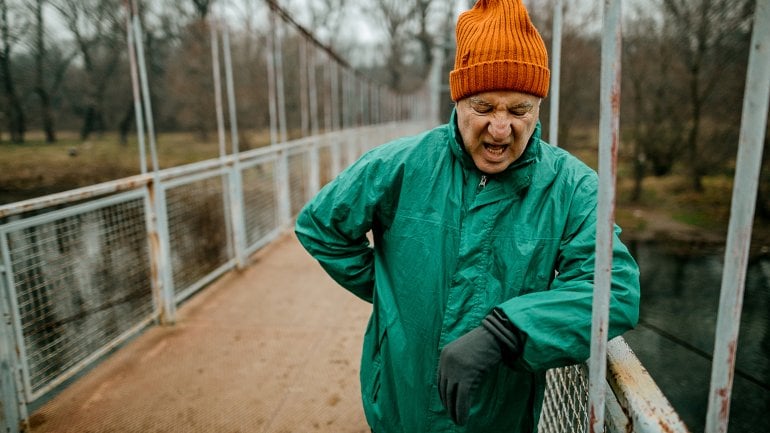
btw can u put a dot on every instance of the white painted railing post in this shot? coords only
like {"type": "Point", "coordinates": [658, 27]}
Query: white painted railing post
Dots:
{"type": "Point", "coordinates": [553, 122]}
{"type": "Point", "coordinates": [238, 224]}
{"type": "Point", "coordinates": [747, 169]}
{"type": "Point", "coordinates": [13, 407]}
{"type": "Point", "coordinates": [608, 148]}
{"type": "Point", "coordinates": [155, 204]}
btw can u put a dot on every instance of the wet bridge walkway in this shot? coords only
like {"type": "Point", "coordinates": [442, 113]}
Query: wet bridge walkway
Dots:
{"type": "Point", "coordinates": [273, 348]}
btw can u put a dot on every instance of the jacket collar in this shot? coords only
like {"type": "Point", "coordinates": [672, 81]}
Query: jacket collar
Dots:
{"type": "Point", "coordinates": [514, 179]}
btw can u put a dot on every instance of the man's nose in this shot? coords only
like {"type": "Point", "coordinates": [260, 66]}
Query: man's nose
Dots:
{"type": "Point", "coordinates": [499, 127]}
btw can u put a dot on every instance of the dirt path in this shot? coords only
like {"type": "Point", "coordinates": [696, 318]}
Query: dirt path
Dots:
{"type": "Point", "coordinates": [272, 349]}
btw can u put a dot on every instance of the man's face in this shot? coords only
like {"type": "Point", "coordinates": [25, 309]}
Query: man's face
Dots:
{"type": "Point", "coordinates": [496, 127]}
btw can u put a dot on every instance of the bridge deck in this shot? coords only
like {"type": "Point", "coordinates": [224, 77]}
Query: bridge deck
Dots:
{"type": "Point", "coordinates": [273, 348]}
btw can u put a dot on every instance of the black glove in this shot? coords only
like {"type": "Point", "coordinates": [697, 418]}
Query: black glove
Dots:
{"type": "Point", "coordinates": [464, 362]}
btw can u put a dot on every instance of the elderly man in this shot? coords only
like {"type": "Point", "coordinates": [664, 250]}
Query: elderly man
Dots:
{"type": "Point", "coordinates": [482, 268]}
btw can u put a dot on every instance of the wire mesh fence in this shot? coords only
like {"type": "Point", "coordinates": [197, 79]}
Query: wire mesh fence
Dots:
{"type": "Point", "coordinates": [79, 279]}
{"type": "Point", "coordinates": [259, 200]}
{"type": "Point", "coordinates": [198, 229]}
{"type": "Point", "coordinates": [565, 407]}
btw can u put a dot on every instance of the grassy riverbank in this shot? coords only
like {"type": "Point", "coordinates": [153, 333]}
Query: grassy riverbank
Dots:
{"type": "Point", "coordinates": [668, 209]}
{"type": "Point", "coordinates": [36, 168]}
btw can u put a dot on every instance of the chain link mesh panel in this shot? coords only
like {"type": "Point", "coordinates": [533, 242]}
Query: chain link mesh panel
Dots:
{"type": "Point", "coordinates": [259, 201]}
{"type": "Point", "coordinates": [565, 408]}
{"type": "Point", "coordinates": [197, 229]}
{"type": "Point", "coordinates": [80, 282]}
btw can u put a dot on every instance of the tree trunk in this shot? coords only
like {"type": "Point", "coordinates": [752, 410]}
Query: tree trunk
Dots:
{"type": "Point", "coordinates": [125, 124]}
{"type": "Point", "coordinates": [48, 124]}
{"type": "Point", "coordinates": [89, 120]}
{"type": "Point", "coordinates": [40, 89]}
{"type": "Point", "coordinates": [696, 166]}
{"type": "Point", "coordinates": [16, 121]}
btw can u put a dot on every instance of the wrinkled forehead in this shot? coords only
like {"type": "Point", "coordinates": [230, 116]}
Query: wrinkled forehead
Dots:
{"type": "Point", "coordinates": [503, 98]}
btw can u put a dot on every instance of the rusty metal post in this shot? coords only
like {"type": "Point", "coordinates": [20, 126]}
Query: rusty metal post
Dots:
{"type": "Point", "coordinates": [271, 91]}
{"type": "Point", "coordinates": [608, 148]}
{"type": "Point", "coordinates": [237, 221]}
{"type": "Point", "coordinates": [335, 96]}
{"type": "Point", "coordinates": [328, 95]}
{"type": "Point", "coordinates": [215, 67]}
{"type": "Point", "coordinates": [308, 69]}
{"type": "Point", "coordinates": [345, 100]}
{"type": "Point", "coordinates": [314, 120]}
{"type": "Point", "coordinates": [553, 122]}
{"type": "Point", "coordinates": [748, 165]}
{"type": "Point", "coordinates": [136, 91]}
{"type": "Point", "coordinates": [363, 115]}
{"type": "Point", "coordinates": [160, 263]}
{"type": "Point", "coordinates": [155, 205]}
{"type": "Point", "coordinates": [279, 83]}
{"type": "Point", "coordinates": [303, 87]}
{"type": "Point", "coordinates": [138, 40]}
{"type": "Point", "coordinates": [348, 102]}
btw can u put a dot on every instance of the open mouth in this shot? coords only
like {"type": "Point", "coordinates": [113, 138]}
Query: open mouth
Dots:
{"type": "Point", "coordinates": [495, 149]}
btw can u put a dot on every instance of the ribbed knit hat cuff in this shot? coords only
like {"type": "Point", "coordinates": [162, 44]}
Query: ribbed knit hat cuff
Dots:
{"type": "Point", "coordinates": [499, 75]}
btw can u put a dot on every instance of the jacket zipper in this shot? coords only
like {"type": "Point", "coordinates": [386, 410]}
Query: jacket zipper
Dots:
{"type": "Point", "coordinates": [483, 181]}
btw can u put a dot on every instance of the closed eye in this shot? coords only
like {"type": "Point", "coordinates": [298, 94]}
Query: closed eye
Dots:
{"type": "Point", "coordinates": [521, 109]}
{"type": "Point", "coordinates": [479, 106]}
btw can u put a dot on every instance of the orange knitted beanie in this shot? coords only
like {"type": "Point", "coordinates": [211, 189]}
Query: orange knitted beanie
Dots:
{"type": "Point", "coordinates": [498, 48]}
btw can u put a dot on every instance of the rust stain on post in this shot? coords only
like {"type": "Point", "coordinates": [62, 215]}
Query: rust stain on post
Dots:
{"type": "Point", "coordinates": [154, 240]}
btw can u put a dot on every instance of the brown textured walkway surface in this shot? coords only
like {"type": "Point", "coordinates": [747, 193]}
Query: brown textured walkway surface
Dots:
{"type": "Point", "coordinates": [271, 349]}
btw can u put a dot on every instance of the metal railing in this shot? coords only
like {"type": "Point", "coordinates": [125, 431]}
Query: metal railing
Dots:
{"type": "Point", "coordinates": [85, 270]}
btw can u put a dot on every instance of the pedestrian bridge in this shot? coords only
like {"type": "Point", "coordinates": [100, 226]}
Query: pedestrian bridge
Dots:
{"type": "Point", "coordinates": [180, 301]}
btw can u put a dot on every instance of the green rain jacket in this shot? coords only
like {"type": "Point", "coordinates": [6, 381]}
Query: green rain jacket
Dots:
{"type": "Point", "coordinates": [447, 250]}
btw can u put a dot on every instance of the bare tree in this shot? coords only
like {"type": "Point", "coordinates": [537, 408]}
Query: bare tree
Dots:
{"type": "Point", "coordinates": [202, 8]}
{"type": "Point", "coordinates": [580, 64]}
{"type": "Point", "coordinates": [50, 68]}
{"type": "Point", "coordinates": [704, 34]}
{"type": "Point", "coordinates": [424, 36]}
{"type": "Point", "coordinates": [413, 28]}
{"type": "Point", "coordinates": [327, 18]}
{"type": "Point", "coordinates": [15, 112]}
{"type": "Point", "coordinates": [188, 80]}
{"type": "Point", "coordinates": [396, 17]}
{"type": "Point", "coordinates": [97, 28]}
{"type": "Point", "coordinates": [40, 89]}
{"type": "Point", "coordinates": [652, 104]}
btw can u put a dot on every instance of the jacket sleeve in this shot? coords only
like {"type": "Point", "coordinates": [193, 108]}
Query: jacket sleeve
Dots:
{"type": "Point", "coordinates": [333, 225]}
{"type": "Point", "coordinates": [557, 321]}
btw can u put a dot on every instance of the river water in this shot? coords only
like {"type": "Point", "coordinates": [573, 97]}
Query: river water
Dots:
{"type": "Point", "coordinates": [675, 336]}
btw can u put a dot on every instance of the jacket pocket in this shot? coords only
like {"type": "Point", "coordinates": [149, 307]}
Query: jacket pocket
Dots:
{"type": "Point", "coordinates": [520, 265]}
{"type": "Point", "coordinates": [371, 366]}
{"type": "Point", "coordinates": [541, 267]}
